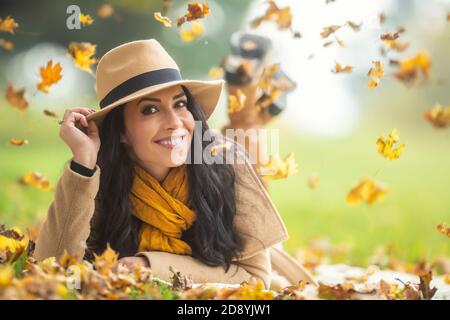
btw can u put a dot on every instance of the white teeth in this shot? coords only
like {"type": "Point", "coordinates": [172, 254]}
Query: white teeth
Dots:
{"type": "Point", "coordinates": [174, 141]}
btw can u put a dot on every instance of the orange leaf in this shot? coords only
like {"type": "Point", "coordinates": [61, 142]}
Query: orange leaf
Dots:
{"type": "Point", "coordinates": [50, 75]}
{"type": "Point", "coordinates": [8, 25]}
{"type": "Point", "coordinates": [16, 97]}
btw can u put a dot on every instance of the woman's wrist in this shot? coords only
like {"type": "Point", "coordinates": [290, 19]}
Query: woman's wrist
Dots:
{"type": "Point", "coordinates": [86, 161]}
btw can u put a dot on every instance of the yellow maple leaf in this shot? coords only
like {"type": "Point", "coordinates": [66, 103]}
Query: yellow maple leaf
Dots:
{"type": "Point", "coordinates": [50, 74]}
{"type": "Point", "coordinates": [18, 142]}
{"type": "Point", "coordinates": [86, 19]}
{"type": "Point", "coordinates": [411, 68]}
{"type": "Point", "coordinates": [386, 146]}
{"type": "Point", "coordinates": [82, 53]}
{"type": "Point", "coordinates": [340, 69]}
{"type": "Point", "coordinates": [367, 190]}
{"type": "Point", "coordinates": [281, 16]}
{"type": "Point", "coordinates": [8, 25]}
{"type": "Point", "coordinates": [106, 261]}
{"type": "Point", "coordinates": [375, 73]}
{"type": "Point", "coordinates": [275, 168]}
{"type": "Point", "coordinates": [36, 179]}
{"type": "Point", "coordinates": [236, 102]}
{"type": "Point", "coordinates": [190, 35]}
{"type": "Point", "coordinates": [438, 116]}
{"type": "Point", "coordinates": [215, 73]}
{"type": "Point", "coordinates": [16, 97]}
{"type": "Point", "coordinates": [163, 19]}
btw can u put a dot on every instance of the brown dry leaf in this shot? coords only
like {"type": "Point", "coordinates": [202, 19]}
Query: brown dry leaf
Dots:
{"type": "Point", "coordinates": [442, 228]}
{"type": "Point", "coordinates": [424, 287]}
{"type": "Point", "coordinates": [282, 17]}
{"type": "Point", "coordinates": [342, 291]}
{"type": "Point", "coordinates": [411, 68]}
{"type": "Point", "coordinates": [86, 19]}
{"type": "Point", "coordinates": [82, 53]}
{"type": "Point", "coordinates": [389, 36]}
{"type": "Point", "coordinates": [340, 69]}
{"type": "Point", "coordinates": [8, 25]}
{"type": "Point", "coordinates": [195, 11]}
{"type": "Point", "coordinates": [236, 102]}
{"type": "Point", "coordinates": [329, 30]}
{"type": "Point", "coordinates": [7, 45]}
{"type": "Point", "coordinates": [382, 17]}
{"type": "Point", "coordinates": [50, 74]}
{"type": "Point", "coordinates": [275, 168]}
{"type": "Point", "coordinates": [367, 190]}
{"type": "Point", "coordinates": [163, 19]}
{"type": "Point", "coordinates": [16, 97]}
{"type": "Point", "coordinates": [180, 282]}
{"type": "Point", "coordinates": [36, 179]}
{"type": "Point", "coordinates": [386, 146]}
{"type": "Point", "coordinates": [50, 113]}
{"type": "Point", "coordinates": [190, 35]}
{"type": "Point", "coordinates": [105, 11]}
{"type": "Point", "coordinates": [375, 73]}
{"type": "Point", "coordinates": [18, 142]}
{"type": "Point", "coordinates": [438, 116]}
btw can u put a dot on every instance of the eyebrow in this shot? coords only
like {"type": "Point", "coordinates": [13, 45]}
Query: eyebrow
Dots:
{"type": "Point", "coordinates": [159, 100]}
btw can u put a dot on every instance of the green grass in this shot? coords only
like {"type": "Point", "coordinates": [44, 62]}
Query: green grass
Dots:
{"type": "Point", "coordinates": [407, 217]}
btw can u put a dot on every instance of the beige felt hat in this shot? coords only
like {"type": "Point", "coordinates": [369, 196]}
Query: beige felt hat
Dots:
{"type": "Point", "coordinates": [138, 68]}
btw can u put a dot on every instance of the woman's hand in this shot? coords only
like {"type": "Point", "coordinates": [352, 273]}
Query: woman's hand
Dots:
{"type": "Point", "coordinates": [81, 136]}
{"type": "Point", "coordinates": [132, 262]}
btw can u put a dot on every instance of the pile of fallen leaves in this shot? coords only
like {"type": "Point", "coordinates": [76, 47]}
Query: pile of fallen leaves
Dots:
{"type": "Point", "coordinates": [22, 277]}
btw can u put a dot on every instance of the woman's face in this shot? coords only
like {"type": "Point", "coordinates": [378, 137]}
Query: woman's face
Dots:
{"type": "Point", "coordinates": [159, 128]}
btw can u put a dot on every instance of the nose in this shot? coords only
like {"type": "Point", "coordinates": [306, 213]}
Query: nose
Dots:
{"type": "Point", "coordinates": [172, 120]}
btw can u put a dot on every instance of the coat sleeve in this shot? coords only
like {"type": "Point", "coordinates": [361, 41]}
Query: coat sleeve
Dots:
{"type": "Point", "coordinates": [67, 225]}
{"type": "Point", "coordinates": [258, 266]}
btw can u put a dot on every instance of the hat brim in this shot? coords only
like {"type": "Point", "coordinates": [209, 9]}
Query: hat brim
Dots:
{"type": "Point", "coordinates": [206, 93]}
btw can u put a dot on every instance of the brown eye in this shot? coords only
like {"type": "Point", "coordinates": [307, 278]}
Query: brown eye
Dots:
{"type": "Point", "coordinates": [181, 104]}
{"type": "Point", "coordinates": [149, 110]}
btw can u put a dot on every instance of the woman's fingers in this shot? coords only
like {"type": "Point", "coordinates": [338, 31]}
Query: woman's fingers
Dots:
{"type": "Point", "coordinates": [74, 118]}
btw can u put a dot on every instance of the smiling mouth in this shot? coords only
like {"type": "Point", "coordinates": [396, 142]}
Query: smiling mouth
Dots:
{"type": "Point", "coordinates": [172, 142]}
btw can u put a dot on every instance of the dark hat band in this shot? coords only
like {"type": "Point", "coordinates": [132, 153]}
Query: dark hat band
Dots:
{"type": "Point", "coordinates": [141, 81]}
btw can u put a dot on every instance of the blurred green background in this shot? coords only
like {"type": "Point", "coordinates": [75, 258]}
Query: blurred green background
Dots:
{"type": "Point", "coordinates": [340, 154]}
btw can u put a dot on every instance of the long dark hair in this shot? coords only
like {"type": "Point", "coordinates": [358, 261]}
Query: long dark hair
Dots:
{"type": "Point", "coordinates": [212, 237]}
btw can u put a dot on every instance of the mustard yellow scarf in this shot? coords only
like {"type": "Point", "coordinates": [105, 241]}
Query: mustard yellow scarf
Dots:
{"type": "Point", "coordinates": [163, 209]}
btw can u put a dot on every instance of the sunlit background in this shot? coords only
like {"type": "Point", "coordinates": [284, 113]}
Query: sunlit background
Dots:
{"type": "Point", "coordinates": [331, 123]}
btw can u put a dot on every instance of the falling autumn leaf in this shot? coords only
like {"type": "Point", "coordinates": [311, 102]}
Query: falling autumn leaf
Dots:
{"type": "Point", "coordinates": [375, 73]}
{"type": "Point", "coordinates": [354, 26]}
{"type": "Point", "coordinates": [396, 46]}
{"type": "Point", "coordinates": [411, 68]}
{"type": "Point", "coordinates": [236, 102]}
{"type": "Point", "coordinates": [16, 97]}
{"type": "Point", "coordinates": [50, 74]}
{"type": "Point", "coordinates": [8, 25]}
{"type": "Point", "coordinates": [195, 32]}
{"type": "Point", "coordinates": [386, 146]}
{"type": "Point", "coordinates": [438, 116]}
{"type": "Point", "coordinates": [105, 11]}
{"type": "Point", "coordinates": [313, 181]}
{"type": "Point", "coordinates": [86, 19]}
{"type": "Point", "coordinates": [50, 113]}
{"type": "Point", "coordinates": [339, 69]}
{"type": "Point", "coordinates": [7, 45]}
{"type": "Point", "coordinates": [195, 11]}
{"type": "Point", "coordinates": [282, 17]}
{"type": "Point", "coordinates": [82, 53]}
{"type": "Point", "coordinates": [367, 190]}
{"type": "Point", "coordinates": [275, 168]}
{"type": "Point", "coordinates": [442, 228]}
{"type": "Point", "coordinates": [329, 30]}
{"type": "Point", "coordinates": [163, 19]}
{"type": "Point", "coordinates": [37, 180]}
{"type": "Point", "coordinates": [215, 73]}
{"type": "Point", "coordinates": [18, 142]}
{"type": "Point", "coordinates": [389, 36]}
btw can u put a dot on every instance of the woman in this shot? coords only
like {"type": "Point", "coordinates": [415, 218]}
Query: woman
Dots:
{"type": "Point", "coordinates": [213, 220]}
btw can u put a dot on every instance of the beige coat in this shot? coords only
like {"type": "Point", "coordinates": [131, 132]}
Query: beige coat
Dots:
{"type": "Point", "coordinates": [67, 226]}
